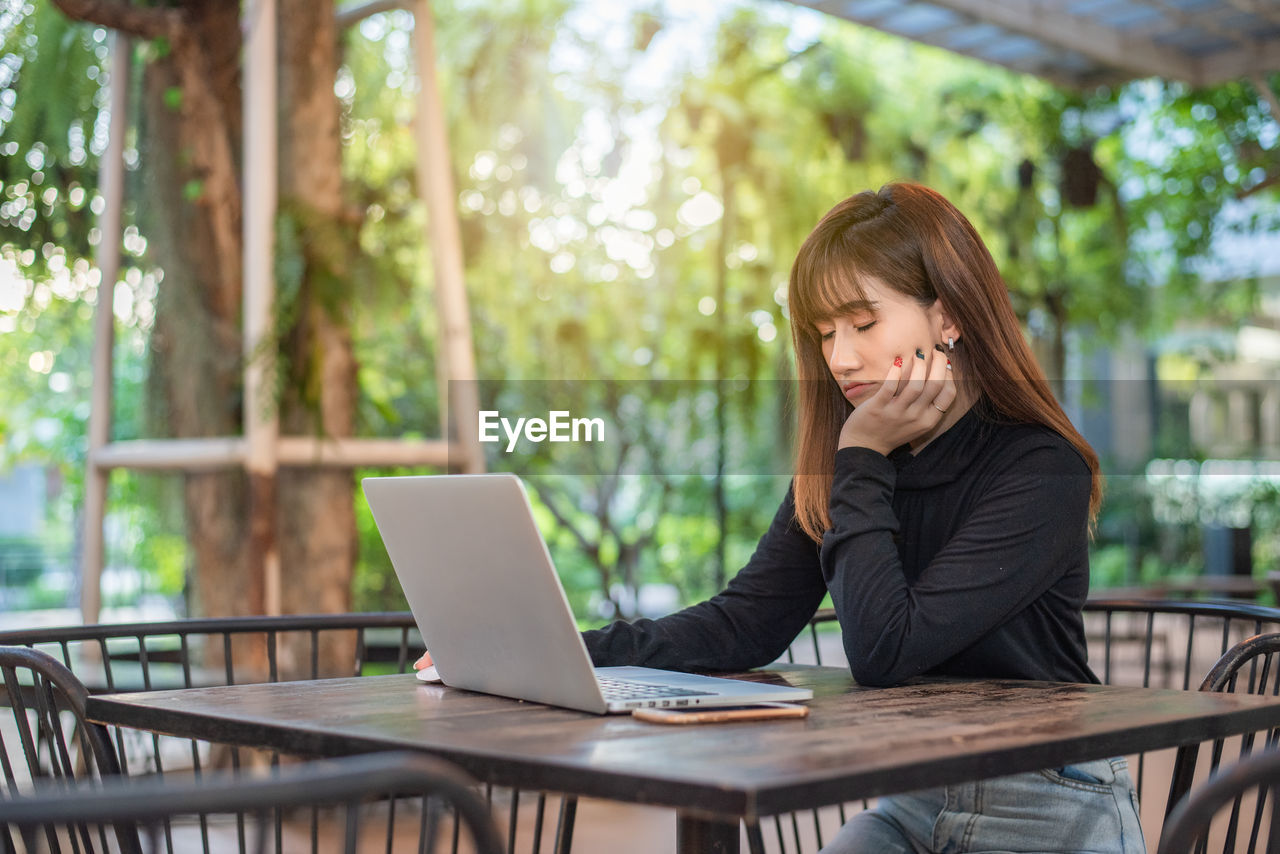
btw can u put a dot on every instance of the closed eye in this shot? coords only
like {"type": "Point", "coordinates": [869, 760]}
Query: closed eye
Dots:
{"type": "Point", "coordinates": [827, 336]}
{"type": "Point", "coordinates": [866, 327]}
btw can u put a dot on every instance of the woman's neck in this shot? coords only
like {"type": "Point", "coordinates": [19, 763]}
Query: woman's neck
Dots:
{"type": "Point", "coordinates": [963, 403]}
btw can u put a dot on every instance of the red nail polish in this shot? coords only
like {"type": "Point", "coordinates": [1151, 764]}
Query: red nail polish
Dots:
{"type": "Point", "coordinates": [897, 362]}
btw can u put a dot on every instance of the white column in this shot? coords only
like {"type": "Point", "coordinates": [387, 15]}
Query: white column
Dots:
{"type": "Point", "coordinates": [261, 427]}
{"type": "Point", "coordinates": [1270, 421]}
{"type": "Point", "coordinates": [1204, 421]}
{"type": "Point", "coordinates": [1240, 418]}
{"type": "Point", "coordinates": [111, 184]}
{"type": "Point", "coordinates": [435, 186]}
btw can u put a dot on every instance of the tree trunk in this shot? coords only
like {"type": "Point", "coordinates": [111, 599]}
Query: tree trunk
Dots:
{"type": "Point", "coordinates": [317, 533]}
{"type": "Point", "coordinates": [191, 215]}
{"type": "Point", "coordinates": [191, 212]}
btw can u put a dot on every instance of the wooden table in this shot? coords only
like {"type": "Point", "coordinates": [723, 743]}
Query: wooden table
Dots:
{"type": "Point", "coordinates": [1241, 587]}
{"type": "Point", "coordinates": [856, 743]}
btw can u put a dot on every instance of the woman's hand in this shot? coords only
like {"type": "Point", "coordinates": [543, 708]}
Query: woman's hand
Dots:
{"type": "Point", "coordinates": [424, 662]}
{"type": "Point", "coordinates": [911, 402]}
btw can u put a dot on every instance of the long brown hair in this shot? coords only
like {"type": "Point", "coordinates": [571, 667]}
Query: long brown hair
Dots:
{"type": "Point", "coordinates": [913, 240]}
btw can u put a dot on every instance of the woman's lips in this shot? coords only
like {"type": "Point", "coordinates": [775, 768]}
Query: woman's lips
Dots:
{"type": "Point", "coordinates": [853, 389]}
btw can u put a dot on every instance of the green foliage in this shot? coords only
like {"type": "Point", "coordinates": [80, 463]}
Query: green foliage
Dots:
{"type": "Point", "coordinates": [49, 156]}
{"type": "Point", "coordinates": [374, 587]}
{"type": "Point", "coordinates": [318, 263]}
{"type": "Point", "coordinates": [1205, 150]}
{"type": "Point", "coordinates": [22, 562]}
{"type": "Point", "coordinates": [49, 288]}
{"type": "Point", "coordinates": [1112, 566]}
{"type": "Point", "coordinates": [146, 536]}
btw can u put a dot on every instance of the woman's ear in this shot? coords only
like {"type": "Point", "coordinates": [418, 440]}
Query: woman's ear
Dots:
{"type": "Point", "coordinates": [944, 325]}
{"type": "Point", "coordinates": [950, 331]}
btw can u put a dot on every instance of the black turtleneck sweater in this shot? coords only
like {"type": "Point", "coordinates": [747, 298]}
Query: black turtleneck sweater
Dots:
{"type": "Point", "coordinates": [967, 559]}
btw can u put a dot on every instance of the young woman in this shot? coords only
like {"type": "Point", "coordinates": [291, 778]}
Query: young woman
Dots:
{"type": "Point", "coordinates": [942, 498]}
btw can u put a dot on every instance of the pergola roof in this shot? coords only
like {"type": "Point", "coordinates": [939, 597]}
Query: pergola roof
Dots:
{"type": "Point", "coordinates": [1085, 43]}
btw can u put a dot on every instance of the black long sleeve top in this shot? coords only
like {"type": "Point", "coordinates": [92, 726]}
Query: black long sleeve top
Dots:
{"type": "Point", "coordinates": [967, 559]}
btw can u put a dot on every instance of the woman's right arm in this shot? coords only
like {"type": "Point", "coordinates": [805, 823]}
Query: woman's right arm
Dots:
{"type": "Point", "coordinates": [749, 624]}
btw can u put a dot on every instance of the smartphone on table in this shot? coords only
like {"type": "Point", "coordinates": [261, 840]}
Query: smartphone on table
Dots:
{"type": "Point", "coordinates": [722, 714]}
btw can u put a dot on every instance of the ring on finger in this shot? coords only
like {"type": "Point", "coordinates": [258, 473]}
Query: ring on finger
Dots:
{"type": "Point", "coordinates": [939, 408]}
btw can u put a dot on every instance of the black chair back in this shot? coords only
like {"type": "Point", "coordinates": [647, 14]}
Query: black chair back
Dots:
{"type": "Point", "coordinates": [50, 739]}
{"type": "Point", "coordinates": [352, 786]}
{"type": "Point", "coordinates": [1246, 787]}
{"type": "Point", "coordinates": [1167, 644]}
{"type": "Point", "coordinates": [200, 652]}
{"type": "Point", "coordinates": [50, 742]}
{"type": "Point", "coordinates": [1252, 666]}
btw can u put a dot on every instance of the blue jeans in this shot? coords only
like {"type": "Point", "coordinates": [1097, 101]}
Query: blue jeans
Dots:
{"type": "Point", "coordinates": [1090, 807]}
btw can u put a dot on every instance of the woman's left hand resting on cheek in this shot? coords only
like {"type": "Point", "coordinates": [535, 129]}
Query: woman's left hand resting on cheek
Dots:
{"type": "Point", "coordinates": [909, 404]}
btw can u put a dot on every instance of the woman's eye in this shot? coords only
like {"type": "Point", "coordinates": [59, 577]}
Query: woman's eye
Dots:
{"type": "Point", "coordinates": [828, 335]}
{"type": "Point", "coordinates": [865, 327]}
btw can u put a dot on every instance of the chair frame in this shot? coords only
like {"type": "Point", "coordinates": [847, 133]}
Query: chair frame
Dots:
{"type": "Point", "coordinates": [1191, 817]}
{"type": "Point", "coordinates": [125, 803]}
{"type": "Point", "coordinates": [1250, 618]}
{"type": "Point", "coordinates": [177, 638]}
{"type": "Point", "coordinates": [270, 627]}
{"type": "Point", "coordinates": [1224, 677]}
{"type": "Point", "coordinates": [49, 674]}
{"type": "Point", "coordinates": [54, 690]}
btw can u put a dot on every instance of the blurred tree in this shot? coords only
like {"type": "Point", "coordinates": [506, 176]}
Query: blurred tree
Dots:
{"type": "Point", "coordinates": [1195, 166]}
{"type": "Point", "coordinates": [189, 137]}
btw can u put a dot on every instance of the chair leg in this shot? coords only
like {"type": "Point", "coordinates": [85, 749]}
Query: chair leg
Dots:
{"type": "Point", "coordinates": [564, 830]}
{"type": "Point", "coordinates": [538, 821]}
{"type": "Point", "coordinates": [511, 821]}
{"type": "Point", "coordinates": [1184, 771]}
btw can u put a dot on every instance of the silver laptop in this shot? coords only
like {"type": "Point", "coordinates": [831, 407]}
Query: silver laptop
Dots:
{"type": "Point", "coordinates": [485, 595]}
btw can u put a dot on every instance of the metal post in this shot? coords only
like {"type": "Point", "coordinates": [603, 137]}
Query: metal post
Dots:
{"type": "Point", "coordinates": [111, 184]}
{"type": "Point", "coordinates": [261, 425]}
{"type": "Point", "coordinates": [435, 186]}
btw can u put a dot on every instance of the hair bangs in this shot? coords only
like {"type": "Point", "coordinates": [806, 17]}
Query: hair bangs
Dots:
{"type": "Point", "coordinates": [825, 290]}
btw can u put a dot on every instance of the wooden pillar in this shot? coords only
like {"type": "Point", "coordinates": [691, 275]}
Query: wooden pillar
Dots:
{"type": "Point", "coordinates": [111, 182]}
{"type": "Point", "coordinates": [457, 369]}
{"type": "Point", "coordinates": [261, 426]}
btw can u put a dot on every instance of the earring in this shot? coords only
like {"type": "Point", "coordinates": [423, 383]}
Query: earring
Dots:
{"type": "Point", "coordinates": [951, 344]}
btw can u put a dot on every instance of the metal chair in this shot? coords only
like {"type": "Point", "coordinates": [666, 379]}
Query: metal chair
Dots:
{"type": "Point", "coordinates": [1245, 786]}
{"type": "Point", "coordinates": [148, 656]}
{"type": "Point", "coordinates": [84, 818]}
{"type": "Point", "coordinates": [50, 737]}
{"type": "Point", "coordinates": [1166, 644]}
{"type": "Point", "coordinates": [125, 657]}
{"type": "Point", "coordinates": [1253, 667]}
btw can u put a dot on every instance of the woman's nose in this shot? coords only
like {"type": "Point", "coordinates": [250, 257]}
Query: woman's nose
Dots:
{"type": "Point", "coordinates": [844, 355]}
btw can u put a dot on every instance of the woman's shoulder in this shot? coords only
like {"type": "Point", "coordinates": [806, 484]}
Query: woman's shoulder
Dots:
{"type": "Point", "coordinates": [1035, 447]}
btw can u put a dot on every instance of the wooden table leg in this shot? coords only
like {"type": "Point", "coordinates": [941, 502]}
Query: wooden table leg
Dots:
{"type": "Point", "coordinates": [699, 836]}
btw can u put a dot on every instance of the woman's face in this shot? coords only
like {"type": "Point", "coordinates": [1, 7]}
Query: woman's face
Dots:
{"type": "Point", "coordinates": [862, 341]}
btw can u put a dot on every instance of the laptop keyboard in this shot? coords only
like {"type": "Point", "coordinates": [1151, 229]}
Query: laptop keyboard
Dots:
{"type": "Point", "coordinates": [623, 689]}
